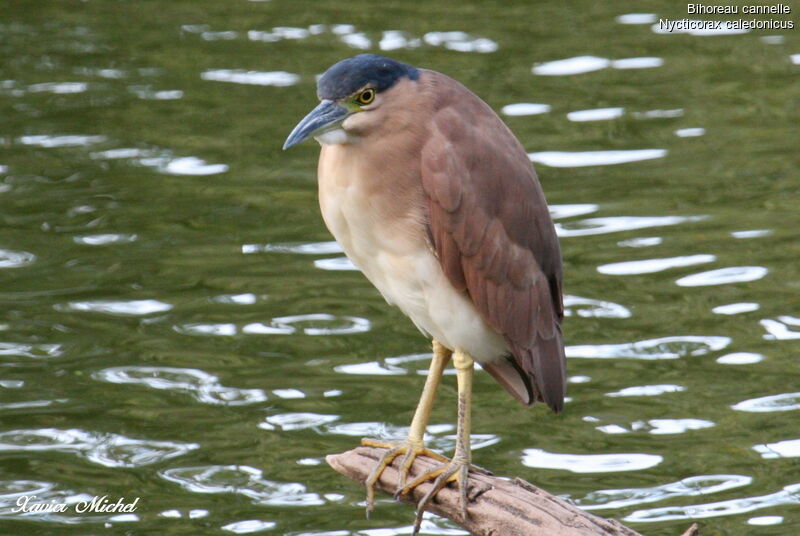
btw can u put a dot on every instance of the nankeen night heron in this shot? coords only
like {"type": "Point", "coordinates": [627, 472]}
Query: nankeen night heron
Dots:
{"type": "Point", "coordinates": [434, 199]}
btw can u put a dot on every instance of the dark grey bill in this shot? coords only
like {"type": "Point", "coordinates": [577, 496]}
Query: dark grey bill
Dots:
{"type": "Point", "coordinates": [324, 117]}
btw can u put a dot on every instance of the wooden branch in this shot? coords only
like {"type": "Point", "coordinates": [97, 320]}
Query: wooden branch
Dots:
{"type": "Point", "coordinates": [497, 506]}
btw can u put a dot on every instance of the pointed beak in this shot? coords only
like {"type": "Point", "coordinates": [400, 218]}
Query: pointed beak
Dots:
{"type": "Point", "coordinates": [328, 115]}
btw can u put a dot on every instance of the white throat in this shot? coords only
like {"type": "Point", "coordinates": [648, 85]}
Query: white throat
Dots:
{"type": "Point", "coordinates": [333, 137]}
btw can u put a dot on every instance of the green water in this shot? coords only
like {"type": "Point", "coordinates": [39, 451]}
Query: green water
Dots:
{"type": "Point", "coordinates": [172, 329]}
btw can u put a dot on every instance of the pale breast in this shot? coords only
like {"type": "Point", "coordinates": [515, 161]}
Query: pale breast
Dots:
{"type": "Point", "coordinates": [388, 243]}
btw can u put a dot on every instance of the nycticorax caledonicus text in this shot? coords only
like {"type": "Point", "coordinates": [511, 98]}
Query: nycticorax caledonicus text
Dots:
{"type": "Point", "coordinates": [434, 199]}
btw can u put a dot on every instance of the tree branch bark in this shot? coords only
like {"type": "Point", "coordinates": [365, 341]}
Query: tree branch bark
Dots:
{"type": "Point", "coordinates": [497, 506]}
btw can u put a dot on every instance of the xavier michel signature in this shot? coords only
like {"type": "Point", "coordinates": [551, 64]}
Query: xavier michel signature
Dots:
{"type": "Point", "coordinates": [98, 504]}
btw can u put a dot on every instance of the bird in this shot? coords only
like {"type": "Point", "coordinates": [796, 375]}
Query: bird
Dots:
{"type": "Point", "coordinates": [435, 200]}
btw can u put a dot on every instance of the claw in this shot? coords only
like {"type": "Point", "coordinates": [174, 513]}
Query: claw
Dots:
{"type": "Point", "coordinates": [410, 450]}
{"type": "Point", "coordinates": [455, 471]}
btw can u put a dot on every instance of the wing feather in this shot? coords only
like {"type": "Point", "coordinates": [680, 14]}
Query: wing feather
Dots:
{"type": "Point", "coordinates": [493, 235]}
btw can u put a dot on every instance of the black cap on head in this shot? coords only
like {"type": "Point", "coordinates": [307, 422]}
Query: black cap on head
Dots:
{"type": "Point", "coordinates": [350, 75]}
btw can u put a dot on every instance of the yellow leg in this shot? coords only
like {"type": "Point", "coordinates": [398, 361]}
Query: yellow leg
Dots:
{"type": "Point", "coordinates": [414, 445]}
{"type": "Point", "coordinates": [457, 469]}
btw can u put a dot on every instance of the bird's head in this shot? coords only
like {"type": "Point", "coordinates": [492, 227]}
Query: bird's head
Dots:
{"type": "Point", "coordinates": [350, 93]}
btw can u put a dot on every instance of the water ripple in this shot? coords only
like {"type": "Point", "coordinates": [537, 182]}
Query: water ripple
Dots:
{"type": "Point", "coordinates": [637, 18]}
{"type": "Point", "coordinates": [32, 403]}
{"type": "Point", "coordinates": [146, 92]}
{"type": "Point", "coordinates": [645, 62]}
{"type": "Point", "coordinates": [357, 40]}
{"type": "Point", "coordinates": [648, 390]}
{"type": "Point", "coordinates": [765, 520]}
{"type": "Point", "coordinates": [590, 308]}
{"type": "Point", "coordinates": [615, 224]}
{"type": "Point", "coordinates": [751, 233]}
{"type": "Point", "coordinates": [641, 242]}
{"type": "Point", "coordinates": [782, 449]}
{"type": "Point", "coordinates": [658, 426]}
{"type": "Point", "coordinates": [60, 88]}
{"type": "Point", "coordinates": [12, 384]}
{"type": "Point", "coordinates": [781, 328]}
{"type": "Point", "coordinates": [766, 404]}
{"type": "Point", "coordinates": [119, 308]}
{"type": "Point", "coordinates": [352, 37]}
{"type": "Point", "coordinates": [259, 78]}
{"type": "Point", "coordinates": [688, 487]}
{"type": "Point", "coordinates": [558, 212]}
{"type": "Point", "coordinates": [649, 266]}
{"type": "Point", "coordinates": [368, 429]}
{"type": "Point", "coordinates": [789, 495]}
{"type": "Point", "coordinates": [740, 358]}
{"type": "Point", "coordinates": [311, 324]}
{"type": "Point", "coordinates": [396, 39]}
{"type": "Point", "coordinates": [594, 158]}
{"type": "Point", "coordinates": [371, 368]}
{"type": "Point", "coordinates": [587, 64]}
{"type": "Point", "coordinates": [690, 132]}
{"type": "Point", "coordinates": [650, 349]}
{"type": "Point", "coordinates": [122, 153]}
{"type": "Point", "coordinates": [723, 276]}
{"type": "Point", "coordinates": [278, 33]}
{"type": "Point", "coordinates": [215, 330]}
{"type": "Point", "coordinates": [109, 450]}
{"type": "Point", "coordinates": [49, 141]}
{"type": "Point", "coordinates": [297, 421]}
{"type": "Point", "coordinates": [596, 114]}
{"type": "Point", "coordinates": [305, 248]}
{"type": "Point", "coordinates": [246, 298]}
{"type": "Point", "coordinates": [525, 108]}
{"type": "Point", "coordinates": [249, 526]}
{"type": "Point", "coordinates": [735, 308]}
{"type": "Point", "coordinates": [659, 114]}
{"type": "Point", "coordinates": [105, 239]}
{"type": "Point", "coordinates": [36, 351]}
{"type": "Point", "coordinates": [204, 387]}
{"type": "Point", "coordinates": [589, 463]}
{"type": "Point", "coordinates": [241, 480]}
{"type": "Point", "coordinates": [576, 65]}
{"type": "Point", "coordinates": [184, 165]}
{"type": "Point", "coordinates": [460, 41]}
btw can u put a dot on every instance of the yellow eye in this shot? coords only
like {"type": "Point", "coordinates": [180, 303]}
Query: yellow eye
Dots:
{"type": "Point", "coordinates": [366, 96]}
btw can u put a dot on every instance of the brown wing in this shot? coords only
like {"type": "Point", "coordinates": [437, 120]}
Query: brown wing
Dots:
{"type": "Point", "coordinates": [492, 232]}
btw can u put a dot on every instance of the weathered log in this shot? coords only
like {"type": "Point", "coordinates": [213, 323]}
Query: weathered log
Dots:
{"type": "Point", "coordinates": [497, 506]}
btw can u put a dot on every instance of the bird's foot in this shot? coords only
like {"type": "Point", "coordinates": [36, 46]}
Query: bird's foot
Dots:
{"type": "Point", "coordinates": [409, 449]}
{"type": "Point", "coordinates": [456, 470]}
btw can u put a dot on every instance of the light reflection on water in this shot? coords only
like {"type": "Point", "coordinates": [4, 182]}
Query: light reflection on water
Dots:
{"type": "Point", "coordinates": [110, 450]}
{"type": "Point", "coordinates": [589, 463]}
{"type": "Point", "coordinates": [242, 480]}
{"type": "Point", "coordinates": [202, 386]}
{"type": "Point", "coordinates": [594, 158]}
{"type": "Point", "coordinates": [309, 324]}
{"type": "Point", "coordinates": [662, 348]}
{"type": "Point", "coordinates": [789, 495]}
{"type": "Point", "coordinates": [615, 224]}
{"type": "Point", "coordinates": [152, 232]}
{"type": "Point", "coordinates": [688, 487]}
{"type": "Point", "coordinates": [649, 266]}
{"type": "Point", "coordinates": [723, 276]}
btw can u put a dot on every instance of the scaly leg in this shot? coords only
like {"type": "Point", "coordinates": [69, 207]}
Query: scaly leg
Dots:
{"type": "Point", "coordinates": [414, 445]}
{"type": "Point", "coordinates": [457, 469]}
